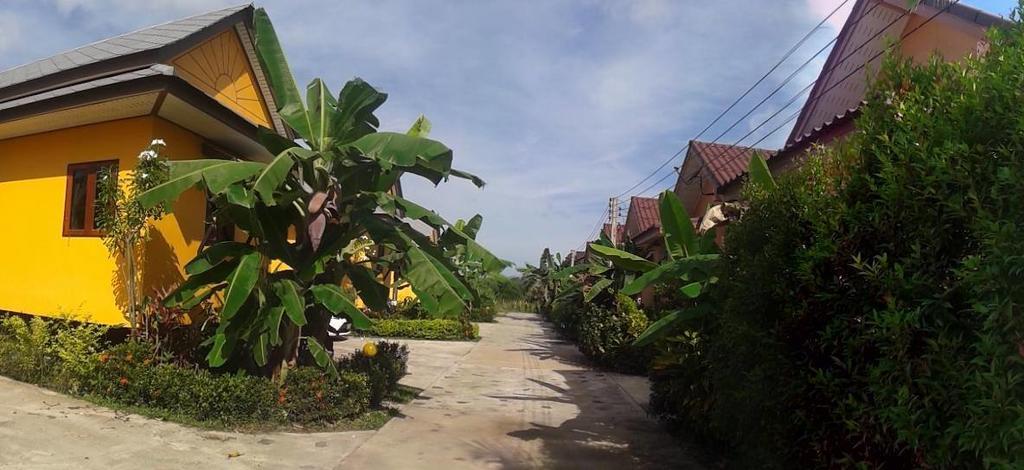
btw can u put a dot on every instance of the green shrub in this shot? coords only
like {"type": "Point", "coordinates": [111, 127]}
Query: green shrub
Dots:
{"type": "Point", "coordinates": [407, 309]}
{"type": "Point", "coordinates": [435, 329]}
{"type": "Point", "coordinates": [64, 356]}
{"type": "Point", "coordinates": [74, 348]}
{"type": "Point", "coordinates": [483, 314]}
{"type": "Point", "coordinates": [517, 305]}
{"type": "Point", "coordinates": [49, 352]}
{"type": "Point", "coordinates": [566, 312]}
{"type": "Point", "coordinates": [870, 307]}
{"type": "Point", "coordinates": [606, 335]}
{"type": "Point", "coordinates": [383, 370]}
{"type": "Point", "coordinates": [24, 349]}
{"type": "Point", "coordinates": [311, 396]}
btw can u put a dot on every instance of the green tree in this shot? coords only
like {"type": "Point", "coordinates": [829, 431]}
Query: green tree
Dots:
{"type": "Point", "coordinates": [690, 259]}
{"type": "Point", "coordinates": [125, 221]}
{"type": "Point", "coordinates": [332, 190]}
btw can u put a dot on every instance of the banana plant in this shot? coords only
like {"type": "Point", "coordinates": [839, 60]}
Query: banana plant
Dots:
{"type": "Point", "coordinates": [322, 214]}
{"type": "Point", "coordinates": [690, 259]}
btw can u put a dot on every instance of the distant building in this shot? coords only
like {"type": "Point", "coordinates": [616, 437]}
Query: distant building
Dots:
{"type": "Point", "coordinates": [643, 227]}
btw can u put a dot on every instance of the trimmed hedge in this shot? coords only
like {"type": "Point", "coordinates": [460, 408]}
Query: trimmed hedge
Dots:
{"type": "Point", "coordinates": [436, 329]}
{"type": "Point", "coordinates": [64, 357]}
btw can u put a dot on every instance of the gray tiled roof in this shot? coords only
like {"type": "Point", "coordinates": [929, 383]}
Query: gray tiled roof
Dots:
{"type": "Point", "coordinates": [146, 39]}
{"type": "Point", "coordinates": [158, 69]}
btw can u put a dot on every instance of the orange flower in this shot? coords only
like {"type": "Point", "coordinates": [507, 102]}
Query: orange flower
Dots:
{"type": "Point", "coordinates": [104, 358]}
{"type": "Point", "coordinates": [128, 357]}
{"type": "Point", "coordinates": [280, 398]}
{"type": "Point", "coordinates": [124, 381]}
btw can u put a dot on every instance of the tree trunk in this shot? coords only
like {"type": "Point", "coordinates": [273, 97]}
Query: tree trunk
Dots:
{"type": "Point", "coordinates": [285, 356]}
{"type": "Point", "coordinates": [133, 316]}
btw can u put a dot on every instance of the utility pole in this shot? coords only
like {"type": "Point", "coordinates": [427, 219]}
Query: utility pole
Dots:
{"type": "Point", "coordinates": [613, 220]}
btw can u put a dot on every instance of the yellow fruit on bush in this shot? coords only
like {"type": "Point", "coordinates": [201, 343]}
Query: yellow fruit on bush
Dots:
{"type": "Point", "coordinates": [370, 349]}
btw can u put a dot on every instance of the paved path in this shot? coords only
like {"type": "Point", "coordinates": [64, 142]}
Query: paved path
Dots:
{"type": "Point", "coordinates": [519, 398]}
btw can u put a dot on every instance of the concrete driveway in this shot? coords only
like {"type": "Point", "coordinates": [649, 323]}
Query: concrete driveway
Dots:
{"type": "Point", "coordinates": [518, 398]}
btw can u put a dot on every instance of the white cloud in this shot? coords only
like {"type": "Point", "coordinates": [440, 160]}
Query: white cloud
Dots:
{"type": "Point", "coordinates": [557, 104]}
{"type": "Point", "coordinates": [818, 9]}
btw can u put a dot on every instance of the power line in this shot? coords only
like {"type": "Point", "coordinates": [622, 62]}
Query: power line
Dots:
{"type": "Point", "coordinates": [805, 89]}
{"type": "Point", "coordinates": [786, 56]}
{"type": "Point", "coordinates": [836, 84]}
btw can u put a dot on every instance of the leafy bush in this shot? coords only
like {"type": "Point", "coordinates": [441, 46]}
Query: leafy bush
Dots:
{"type": "Point", "coordinates": [71, 358]}
{"type": "Point", "coordinates": [129, 374]}
{"type": "Point", "coordinates": [484, 314]}
{"type": "Point", "coordinates": [436, 329]}
{"type": "Point", "coordinates": [566, 311]}
{"type": "Point", "coordinates": [311, 396]}
{"type": "Point", "coordinates": [871, 305]}
{"type": "Point", "coordinates": [24, 349]}
{"type": "Point", "coordinates": [55, 353]}
{"type": "Point", "coordinates": [606, 335]}
{"type": "Point", "coordinates": [407, 309]}
{"type": "Point", "coordinates": [383, 370]}
{"type": "Point", "coordinates": [517, 305]}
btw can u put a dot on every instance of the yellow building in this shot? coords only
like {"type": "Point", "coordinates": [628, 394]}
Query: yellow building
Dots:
{"type": "Point", "coordinates": [195, 82]}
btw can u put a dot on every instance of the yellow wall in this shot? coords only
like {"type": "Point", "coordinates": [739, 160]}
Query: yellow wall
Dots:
{"type": "Point", "coordinates": [49, 274]}
{"type": "Point", "coordinates": [221, 69]}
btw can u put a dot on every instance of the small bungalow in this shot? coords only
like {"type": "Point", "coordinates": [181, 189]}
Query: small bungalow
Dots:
{"type": "Point", "coordinates": [196, 83]}
{"type": "Point", "coordinates": [643, 227]}
{"type": "Point", "coordinates": [712, 174]}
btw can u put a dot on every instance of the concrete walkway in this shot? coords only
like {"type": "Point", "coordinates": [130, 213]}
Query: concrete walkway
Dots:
{"type": "Point", "coordinates": [519, 398]}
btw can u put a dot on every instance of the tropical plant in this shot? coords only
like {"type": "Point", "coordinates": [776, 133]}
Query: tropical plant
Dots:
{"type": "Point", "coordinates": [542, 281]}
{"type": "Point", "coordinates": [477, 271]}
{"type": "Point", "coordinates": [690, 259]}
{"type": "Point", "coordinates": [321, 213]}
{"type": "Point", "coordinates": [125, 221]}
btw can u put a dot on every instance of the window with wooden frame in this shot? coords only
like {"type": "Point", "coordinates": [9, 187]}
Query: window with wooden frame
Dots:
{"type": "Point", "coordinates": [80, 198]}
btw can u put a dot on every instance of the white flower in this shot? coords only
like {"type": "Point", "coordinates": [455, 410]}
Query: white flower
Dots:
{"type": "Point", "coordinates": [158, 143]}
{"type": "Point", "coordinates": [144, 176]}
{"type": "Point", "coordinates": [147, 155]}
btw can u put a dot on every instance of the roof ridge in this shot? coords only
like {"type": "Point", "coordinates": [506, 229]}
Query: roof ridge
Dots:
{"type": "Point", "coordinates": [237, 7]}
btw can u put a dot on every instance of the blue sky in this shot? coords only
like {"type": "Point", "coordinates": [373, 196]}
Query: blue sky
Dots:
{"type": "Point", "coordinates": [558, 104]}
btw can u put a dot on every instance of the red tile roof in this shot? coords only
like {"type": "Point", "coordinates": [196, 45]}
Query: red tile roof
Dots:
{"type": "Point", "coordinates": [724, 162]}
{"type": "Point", "coordinates": [643, 215]}
{"type": "Point", "coordinates": [620, 231]}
